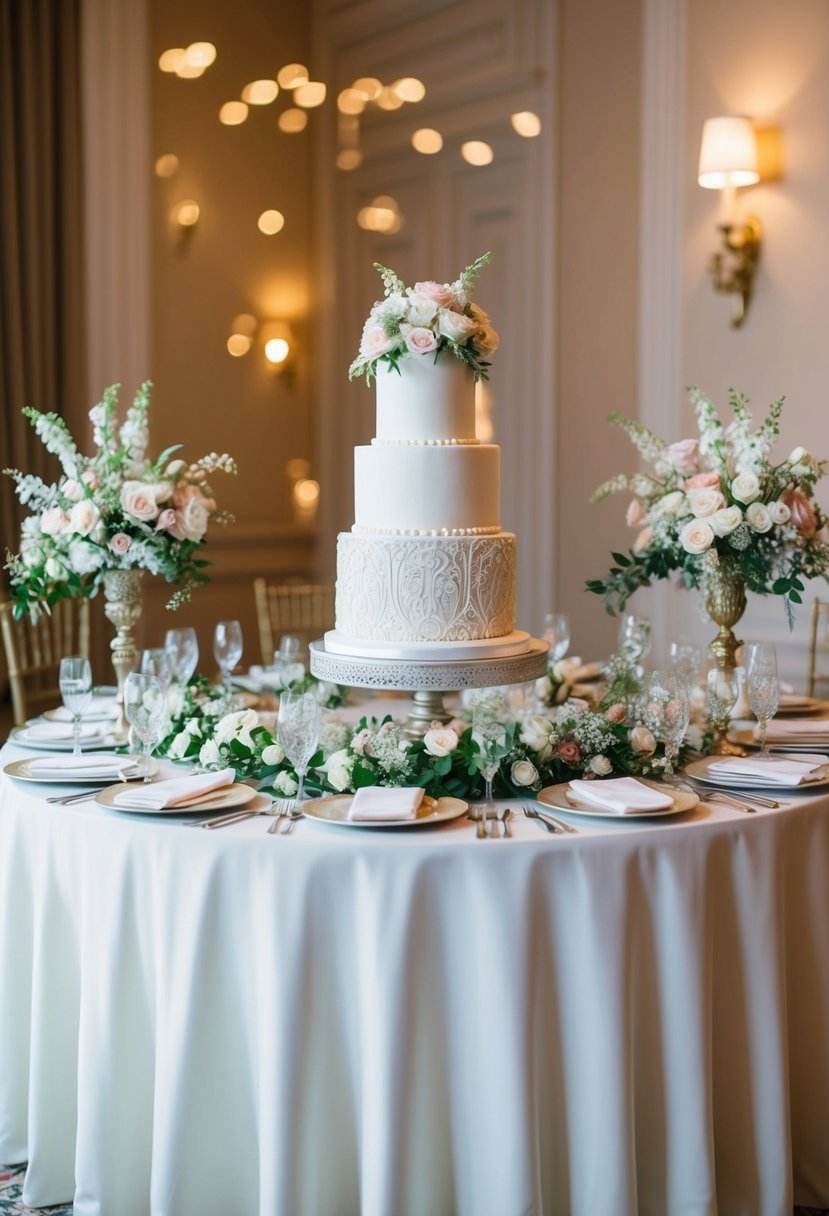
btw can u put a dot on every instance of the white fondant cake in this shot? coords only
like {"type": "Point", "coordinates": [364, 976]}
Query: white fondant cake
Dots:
{"type": "Point", "coordinates": [426, 571]}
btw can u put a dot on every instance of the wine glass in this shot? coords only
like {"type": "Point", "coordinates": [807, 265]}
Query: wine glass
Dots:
{"type": "Point", "coordinates": [635, 637]}
{"type": "Point", "coordinates": [227, 649]}
{"type": "Point", "coordinates": [489, 732]}
{"type": "Point", "coordinates": [684, 658]}
{"type": "Point", "coordinates": [182, 648]}
{"type": "Point", "coordinates": [145, 704]}
{"type": "Point", "coordinates": [763, 689]}
{"type": "Point", "coordinates": [156, 662]}
{"type": "Point", "coordinates": [557, 634]}
{"type": "Point", "coordinates": [723, 690]}
{"type": "Point", "coordinates": [298, 731]}
{"type": "Point", "coordinates": [287, 662]}
{"type": "Point", "coordinates": [666, 713]}
{"type": "Point", "coordinates": [75, 682]}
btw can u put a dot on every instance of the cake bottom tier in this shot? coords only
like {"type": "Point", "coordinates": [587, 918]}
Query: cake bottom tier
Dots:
{"type": "Point", "coordinates": [425, 588]}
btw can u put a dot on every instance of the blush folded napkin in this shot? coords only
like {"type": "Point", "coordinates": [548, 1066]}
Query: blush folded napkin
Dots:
{"type": "Point", "coordinates": [780, 731]}
{"type": "Point", "coordinates": [774, 772]}
{"type": "Point", "coordinates": [98, 764]}
{"type": "Point", "coordinates": [176, 792]}
{"type": "Point", "coordinates": [622, 796]}
{"type": "Point", "coordinates": [99, 707]}
{"type": "Point", "coordinates": [58, 732]}
{"type": "Point", "coordinates": [377, 802]}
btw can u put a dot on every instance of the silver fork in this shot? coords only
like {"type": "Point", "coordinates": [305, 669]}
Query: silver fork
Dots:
{"type": "Point", "coordinates": [503, 819]}
{"type": "Point", "coordinates": [287, 810]}
{"type": "Point", "coordinates": [532, 813]}
{"type": "Point", "coordinates": [126, 775]}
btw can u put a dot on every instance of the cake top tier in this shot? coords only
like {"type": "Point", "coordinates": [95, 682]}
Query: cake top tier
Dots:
{"type": "Point", "coordinates": [421, 401]}
{"type": "Point", "coordinates": [426, 320]}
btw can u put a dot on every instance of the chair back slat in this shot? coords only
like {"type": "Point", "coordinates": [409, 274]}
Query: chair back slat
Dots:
{"type": "Point", "coordinates": [305, 610]}
{"type": "Point", "coordinates": [34, 651]}
{"type": "Point", "coordinates": [818, 666]}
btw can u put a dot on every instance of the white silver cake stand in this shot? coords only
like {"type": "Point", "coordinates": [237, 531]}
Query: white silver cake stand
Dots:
{"type": "Point", "coordinates": [427, 681]}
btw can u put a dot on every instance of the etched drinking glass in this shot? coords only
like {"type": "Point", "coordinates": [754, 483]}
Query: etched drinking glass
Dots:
{"type": "Point", "coordinates": [666, 714]}
{"type": "Point", "coordinates": [182, 648]}
{"type": "Point", "coordinates": [684, 658]}
{"type": "Point", "coordinates": [634, 637]}
{"type": "Point", "coordinates": [156, 662]}
{"type": "Point", "coordinates": [227, 650]}
{"type": "Point", "coordinates": [145, 705]}
{"type": "Point", "coordinates": [723, 688]}
{"type": "Point", "coordinates": [298, 731]}
{"type": "Point", "coordinates": [489, 713]}
{"type": "Point", "coordinates": [75, 682]}
{"type": "Point", "coordinates": [557, 634]}
{"type": "Point", "coordinates": [763, 689]}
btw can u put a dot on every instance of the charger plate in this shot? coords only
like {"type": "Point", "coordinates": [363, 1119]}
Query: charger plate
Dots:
{"type": "Point", "coordinates": [334, 809]}
{"type": "Point", "coordinates": [21, 769]}
{"type": "Point", "coordinates": [225, 798]}
{"type": "Point", "coordinates": [699, 771]}
{"type": "Point", "coordinates": [563, 799]}
{"type": "Point", "coordinates": [102, 743]}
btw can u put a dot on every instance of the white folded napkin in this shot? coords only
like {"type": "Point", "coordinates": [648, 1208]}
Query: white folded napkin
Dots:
{"type": "Point", "coordinates": [622, 796]}
{"type": "Point", "coordinates": [57, 732]}
{"type": "Point", "coordinates": [378, 802]}
{"type": "Point", "coordinates": [772, 771]}
{"type": "Point", "coordinates": [177, 791]}
{"type": "Point", "coordinates": [98, 764]}
{"type": "Point", "coordinates": [99, 707]}
{"type": "Point", "coordinates": [783, 729]}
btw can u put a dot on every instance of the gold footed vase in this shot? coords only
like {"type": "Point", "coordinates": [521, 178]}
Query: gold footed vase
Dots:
{"type": "Point", "coordinates": [122, 596]}
{"type": "Point", "coordinates": [724, 594]}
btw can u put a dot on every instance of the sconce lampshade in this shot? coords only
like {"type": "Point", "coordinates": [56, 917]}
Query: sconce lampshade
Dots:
{"type": "Point", "coordinates": [728, 154]}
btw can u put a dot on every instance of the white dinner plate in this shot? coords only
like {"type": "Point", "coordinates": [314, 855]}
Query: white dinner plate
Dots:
{"type": "Point", "coordinates": [55, 715]}
{"type": "Point", "coordinates": [22, 770]}
{"type": "Point", "coordinates": [563, 799]}
{"type": "Point", "coordinates": [220, 800]}
{"type": "Point", "coordinates": [19, 735]}
{"type": "Point", "coordinates": [699, 771]}
{"type": "Point", "coordinates": [800, 743]}
{"type": "Point", "coordinates": [334, 809]}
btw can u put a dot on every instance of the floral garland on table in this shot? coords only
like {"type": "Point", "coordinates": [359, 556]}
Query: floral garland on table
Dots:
{"type": "Point", "coordinates": [447, 760]}
{"type": "Point", "coordinates": [562, 676]}
{"type": "Point", "coordinates": [427, 319]}
{"type": "Point", "coordinates": [115, 510]}
{"type": "Point", "coordinates": [719, 496]}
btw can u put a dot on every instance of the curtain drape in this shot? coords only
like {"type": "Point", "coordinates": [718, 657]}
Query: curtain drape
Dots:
{"type": "Point", "coordinates": [42, 346]}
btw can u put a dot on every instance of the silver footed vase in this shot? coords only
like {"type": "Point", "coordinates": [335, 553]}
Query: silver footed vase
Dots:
{"type": "Point", "coordinates": [122, 596]}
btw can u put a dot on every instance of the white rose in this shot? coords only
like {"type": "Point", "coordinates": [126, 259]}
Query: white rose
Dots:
{"type": "Point", "coordinates": [797, 455]}
{"type": "Point", "coordinates": [72, 490]}
{"type": "Point", "coordinates": [83, 517]}
{"type": "Point", "coordinates": [421, 310]}
{"type": "Point", "coordinates": [524, 772]}
{"type": "Point", "coordinates": [175, 700]}
{"type": "Point", "coordinates": [237, 725]}
{"type": "Point", "coordinates": [54, 570]}
{"type": "Point", "coordinates": [696, 536]}
{"type": "Point", "coordinates": [669, 504]}
{"type": "Point", "coordinates": [192, 519]}
{"type": "Point", "coordinates": [272, 754]}
{"type": "Point", "coordinates": [758, 517]}
{"type": "Point", "coordinates": [601, 766]}
{"type": "Point", "coordinates": [178, 748]}
{"type": "Point", "coordinates": [193, 727]}
{"type": "Point", "coordinates": [210, 756]}
{"type": "Point", "coordinates": [705, 501]}
{"type": "Point", "coordinates": [440, 742]}
{"type": "Point", "coordinates": [138, 500]}
{"type": "Point", "coordinates": [454, 325]}
{"type": "Point", "coordinates": [536, 732]}
{"type": "Point", "coordinates": [724, 521]}
{"type": "Point", "coordinates": [286, 784]}
{"type": "Point", "coordinates": [745, 487]}
{"type": "Point", "coordinates": [779, 512]}
{"type": "Point", "coordinates": [53, 521]}
{"type": "Point", "coordinates": [338, 769]}
{"type": "Point", "coordinates": [642, 741]}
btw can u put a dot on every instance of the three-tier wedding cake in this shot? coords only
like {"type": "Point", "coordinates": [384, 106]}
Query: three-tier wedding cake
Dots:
{"type": "Point", "coordinates": [426, 572]}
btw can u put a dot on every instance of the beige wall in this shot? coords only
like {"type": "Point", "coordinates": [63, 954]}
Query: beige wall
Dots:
{"type": "Point", "coordinates": [205, 399]}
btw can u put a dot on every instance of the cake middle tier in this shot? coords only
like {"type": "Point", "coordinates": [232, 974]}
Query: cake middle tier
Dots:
{"type": "Point", "coordinates": [427, 490]}
{"type": "Point", "coordinates": [425, 588]}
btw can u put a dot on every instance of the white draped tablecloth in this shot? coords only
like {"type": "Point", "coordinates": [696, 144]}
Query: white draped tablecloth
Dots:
{"type": "Point", "coordinates": [345, 1022]}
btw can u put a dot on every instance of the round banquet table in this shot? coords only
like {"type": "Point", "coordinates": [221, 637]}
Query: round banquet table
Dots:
{"type": "Point", "coordinates": [347, 1022]}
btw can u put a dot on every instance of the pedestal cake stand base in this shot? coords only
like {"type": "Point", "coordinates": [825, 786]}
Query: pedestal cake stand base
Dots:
{"type": "Point", "coordinates": [427, 681]}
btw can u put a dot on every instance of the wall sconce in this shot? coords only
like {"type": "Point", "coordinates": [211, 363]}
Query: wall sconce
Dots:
{"type": "Point", "coordinates": [183, 218]}
{"type": "Point", "coordinates": [279, 346]}
{"type": "Point", "coordinates": [728, 159]}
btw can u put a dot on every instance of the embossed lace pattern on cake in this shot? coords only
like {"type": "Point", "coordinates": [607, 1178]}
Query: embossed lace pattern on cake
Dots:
{"type": "Point", "coordinates": [425, 589]}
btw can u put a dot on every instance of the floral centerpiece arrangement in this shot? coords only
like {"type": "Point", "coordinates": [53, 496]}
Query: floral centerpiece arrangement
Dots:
{"type": "Point", "coordinates": [117, 509]}
{"type": "Point", "coordinates": [427, 319]}
{"type": "Point", "coordinates": [719, 499]}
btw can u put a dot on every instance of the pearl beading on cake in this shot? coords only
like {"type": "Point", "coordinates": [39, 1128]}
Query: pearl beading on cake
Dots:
{"type": "Point", "coordinates": [489, 531]}
{"type": "Point", "coordinates": [425, 443]}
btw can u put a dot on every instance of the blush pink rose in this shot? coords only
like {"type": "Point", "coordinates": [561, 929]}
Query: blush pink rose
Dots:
{"type": "Point", "coordinates": [421, 341]}
{"type": "Point", "coordinates": [166, 520]}
{"type": "Point", "coordinates": [90, 478]}
{"type": "Point", "coordinates": [635, 514]}
{"type": "Point", "coordinates": [138, 500]}
{"type": "Point", "coordinates": [616, 713]}
{"type": "Point", "coordinates": [570, 752]}
{"type": "Point", "coordinates": [802, 512]}
{"type": "Point", "coordinates": [439, 293]}
{"type": "Point", "coordinates": [120, 542]}
{"type": "Point", "coordinates": [643, 539]}
{"type": "Point", "coordinates": [684, 456]}
{"type": "Point", "coordinates": [183, 494]}
{"type": "Point", "coordinates": [53, 521]}
{"type": "Point", "coordinates": [375, 342]}
{"type": "Point", "coordinates": [703, 481]}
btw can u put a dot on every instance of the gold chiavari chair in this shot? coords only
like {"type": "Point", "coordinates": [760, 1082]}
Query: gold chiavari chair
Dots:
{"type": "Point", "coordinates": [34, 652]}
{"type": "Point", "coordinates": [818, 671]}
{"type": "Point", "coordinates": [304, 610]}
